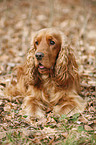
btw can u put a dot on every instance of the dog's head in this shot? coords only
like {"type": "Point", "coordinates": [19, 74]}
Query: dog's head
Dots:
{"type": "Point", "coordinates": [47, 44]}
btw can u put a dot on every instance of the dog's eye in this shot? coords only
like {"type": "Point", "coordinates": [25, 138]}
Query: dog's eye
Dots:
{"type": "Point", "coordinates": [36, 42]}
{"type": "Point", "coordinates": [52, 42]}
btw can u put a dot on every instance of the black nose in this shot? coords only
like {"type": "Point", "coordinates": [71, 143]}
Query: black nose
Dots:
{"type": "Point", "coordinates": [39, 55]}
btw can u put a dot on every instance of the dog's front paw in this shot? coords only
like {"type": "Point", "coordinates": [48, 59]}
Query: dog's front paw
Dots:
{"type": "Point", "coordinates": [31, 108]}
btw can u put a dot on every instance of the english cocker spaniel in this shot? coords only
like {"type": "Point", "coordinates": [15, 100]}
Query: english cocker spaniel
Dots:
{"type": "Point", "coordinates": [49, 79]}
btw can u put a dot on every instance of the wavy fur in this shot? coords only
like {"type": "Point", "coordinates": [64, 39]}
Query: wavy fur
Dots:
{"type": "Point", "coordinates": [56, 87]}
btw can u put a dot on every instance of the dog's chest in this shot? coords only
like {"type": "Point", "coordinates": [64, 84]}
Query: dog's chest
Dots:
{"type": "Point", "coordinates": [49, 90]}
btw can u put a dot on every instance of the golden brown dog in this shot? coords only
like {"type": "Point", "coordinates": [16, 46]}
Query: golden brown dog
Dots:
{"type": "Point", "coordinates": [49, 79]}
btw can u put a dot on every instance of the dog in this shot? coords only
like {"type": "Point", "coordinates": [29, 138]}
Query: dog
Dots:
{"type": "Point", "coordinates": [48, 79]}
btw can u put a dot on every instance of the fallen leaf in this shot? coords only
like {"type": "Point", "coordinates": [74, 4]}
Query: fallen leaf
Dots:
{"type": "Point", "coordinates": [87, 127]}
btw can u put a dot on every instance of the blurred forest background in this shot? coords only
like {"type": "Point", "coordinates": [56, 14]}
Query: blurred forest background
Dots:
{"type": "Point", "coordinates": [18, 20]}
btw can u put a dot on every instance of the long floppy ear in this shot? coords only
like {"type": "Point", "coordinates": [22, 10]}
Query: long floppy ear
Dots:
{"type": "Point", "coordinates": [66, 69]}
{"type": "Point", "coordinates": [31, 73]}
{"type": "Point", "coordinates": [27, 72]}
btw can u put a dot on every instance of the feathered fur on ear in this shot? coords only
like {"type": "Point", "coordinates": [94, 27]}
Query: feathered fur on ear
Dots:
{"type": "Point", "coordinates": [27, 72]}
{"type": "Point", "coordinates": [30, 71]}
{"type": "Point", "coordinates": [66, 68]}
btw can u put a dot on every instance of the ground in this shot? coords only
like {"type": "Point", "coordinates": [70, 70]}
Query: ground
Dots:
{"type": "Point", "coordinates": [18, 20]}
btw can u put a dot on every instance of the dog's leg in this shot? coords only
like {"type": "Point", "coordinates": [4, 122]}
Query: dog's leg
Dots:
{"type": "Point", "coordinates": [32, 107]}
{"type": "Point", "coordinates": [70, 104]}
